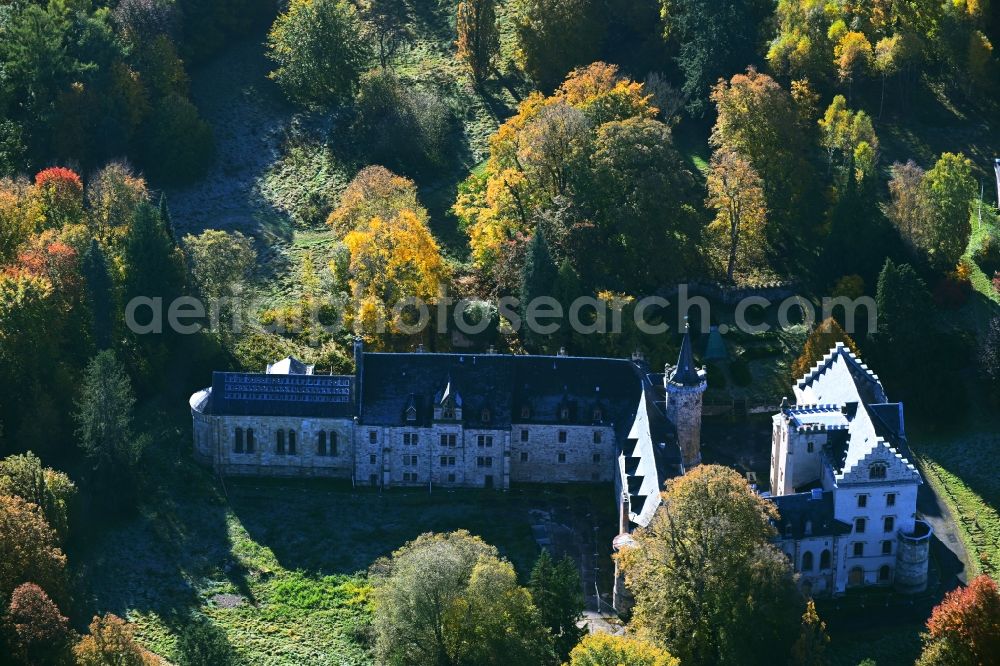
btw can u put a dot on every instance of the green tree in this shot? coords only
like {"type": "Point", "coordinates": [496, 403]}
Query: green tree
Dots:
{"type": "Point", "coordinates": [478, 36]}
{"type": "Point", "coordinates": [708, 583]}
{"type": "Point", "coordinates": [52, 491]}
{"type": "Point", "coordinates": [849, 139]}
{"type": "Point", "coordinates": [100, 295]}
{"type": "Point", "coordinates": [606, 650]}
{"type": "Point", "coordinates": [537, 277]}
{"type": "Point", "coordinates": [951, 191]}
{"type": "Point", "coordinates": [903, 302]}
{"type": "Point", "coordinates": [810, 647]}
{"type": "Point", "coordinates": [714, 38]}
{"type": "Point", "coordinates": [220, 261]}
{"type": "Point", "coordinates": [448, 599]}
{"type": "Point", "coordinates": [389, 26]}
{"type": "Point", "coordinates": [318, 48]}
{"type": "Point", "coordinates": [554, 36]}
{"type": "Point", "coordinates": [104, 416]}
{"type": "Point", "coordinates": [556, 589]}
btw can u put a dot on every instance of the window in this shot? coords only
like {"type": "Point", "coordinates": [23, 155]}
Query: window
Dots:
{"type": "Point", "coordinates": [410, 438]}
{"type": "Point", "coordinates": [238, 446]}
{"type": "Point", "coordinates": [877, 471]}
{"type": "Point", "coordinates": [410, 477]}
{"type": "Point", "coordinates": [524, 456]}
{"type": "Point", "coordinates": [411, 414]}
{"type": "Point", "coordinates": [597, 437]}
{"type": "Point", "coordinates": [333, 443]}
{"type": "Point", "coordinates": [373, 479]}
{"type": "Point", "coordinates": [824, 560]}
{"type": "Point", "coordinates": [484, 461]}
{"type": "Point", "coordinates": [448, 440]}
{"type": "Point", "coordinates": [562, 457]}
{"type": "Point", "coordinates": [372, 437]}
{"type": "Point", "coordinates": [862, 501]}
{"type": "Point", "coordinates": [525, 412]}
{"type": "Point", "coordinates": [564, 414]}
{"type": "Point", "coordinates": [485, 416]}
{"type": "Point", "coordinates": [524, 435]}
{"type": "Point", "coordinates": [372, 459]}
{"type": "Point", "coordinates": [884, 574]}
{"type": "Point", "coordinates": [250, 441]}
{"type": "Point", "coordinates": [291, 442]}
{"type": "Point", "coordinates": [321, 443]}
{"type": "Point", "coordinates": [859, 549]}
{"type": "Point", "coordinates": [562, 436]}
{"type": "Point", "coordinates": [890, 499]}
{"type": "Point", "coordinates": [447, 461]}
{"type": "Point", "coordinates": [481, 441]}
{"type": "Point", "coordinates": [889, 524]}
{"type": "Point", "coordinates": [810, 447]}
{"type": "Point", "coordinates": [597, 457]}
{"type": "Point", "coordinates": [807, 561]}
{"type": "Point", "coordinates": [280, 442]}
{"type": "Point", "coordinates": [410, 461]}
{"type": "Point", "coordinates": [451, 478]}
{"type": "Point", "coordinates": [598, 415]}
{"type": "Point", "coordinates": [809, 528]}
{"type": "Point", "coordinates": [859, 525]}
{"type": "Point", "coordinates": [887, 548]}
{"type": "Point", "coordinates": [448, 411]}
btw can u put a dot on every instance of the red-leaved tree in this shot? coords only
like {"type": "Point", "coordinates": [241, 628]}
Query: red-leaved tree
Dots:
{"type": "Point", "coordinates": [37, 632]}
{"type": "Point", "coordinates": [965, 627]}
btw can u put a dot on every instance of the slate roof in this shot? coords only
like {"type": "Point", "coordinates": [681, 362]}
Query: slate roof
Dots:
{"type": "Point", "coordinates": [801, 508]}
{"type": "Point", "coordinates": [257, 394]}
{"type": "Point", "coordinates": [685, 373]}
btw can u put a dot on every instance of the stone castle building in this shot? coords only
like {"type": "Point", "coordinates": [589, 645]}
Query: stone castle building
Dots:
{"type": "Point", "coordinates": [492, 420]}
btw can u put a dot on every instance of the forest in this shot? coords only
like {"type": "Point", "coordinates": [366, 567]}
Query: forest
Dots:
{"type": "Point", "coordinates": [305, 166]}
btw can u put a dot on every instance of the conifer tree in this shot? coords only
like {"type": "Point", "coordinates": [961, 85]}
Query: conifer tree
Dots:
{"type": "Point", "coordinates": [104, 415]}
{"type": "Point", "coordinates": [537, 279]}
{"type": "Point", "coordinates": [100, 295]}
{"type": "Point", "coordinates": [478, 37]}
{"type": "Point", "coordinates": [556, 591]}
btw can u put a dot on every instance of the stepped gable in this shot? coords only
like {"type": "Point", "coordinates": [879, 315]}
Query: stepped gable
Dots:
{"type": "Point", "coordinates": [825, 377]}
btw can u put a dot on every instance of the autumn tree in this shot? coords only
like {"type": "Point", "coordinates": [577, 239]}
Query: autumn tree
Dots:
{"type": "Point", "coordinates": [600, 649]}
{"type": "Point", "coordinates": [111, 641]}
{"type": "Point", "coordinates": [374, 192]}
{"type": "Point", "coordinates": [450, 599]}
{"type": "Point", "coordinates": [907, 208]}
{"type": "Point", "coordinates": [758, 119]}
{"type": "Point", "coordinates": [712, 527]}
{"type": "Point", "coordinates": [318, 48]}
{"type": "Point", "coordinates": [821, 340]}
{"type": "Point", "coordinates": [962, 629]}
{"type": "Point", "coordinates": [37, 632]}
{"type": "Point", "coordinates": [59, 195]}
{"type": "Point", "coordinates": [15, 222]}
{"type": "Point", "coordinates": [29, 548]}
{"type": "Point", "coordinates": [554, 36]}
{"type": "Point", "coordinates": [810, 647]}
{"type": "Point", "coordinates": [849, 139]}
{"type": "Point", "coordinates": [852, 53]}
{"type": "Point", "coordinates": [556, 590]}
{"type": "Point", "coordinates": [113, 195]}
{"type": "Point", "coordinates": [736, 193]}
{"type": "Point", "coordinates": [478, 36]}
{"type": "Point", "coordinates": [48, 489]}
{"type": "Point", "coordinates": [388, 23]}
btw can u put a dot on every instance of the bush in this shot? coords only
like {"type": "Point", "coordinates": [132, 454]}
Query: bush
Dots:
{"type": "Point", "coordinates": [403, 127]}
{"type": "Point", "coordinates": [179, 144]}
{"type": "Point", "coordinates": [988, 254]}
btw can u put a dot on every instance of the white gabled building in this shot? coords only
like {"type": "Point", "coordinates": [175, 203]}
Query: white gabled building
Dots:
{"type": "Point", "coordinates": [843, 483]}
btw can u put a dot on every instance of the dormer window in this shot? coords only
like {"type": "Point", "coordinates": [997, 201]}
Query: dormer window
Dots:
{"type": "Point", "coordinates": [411, 414]}
{"type": "Point", "coordinates": [448, 411]}
{"type": "Point", "coordinates": [598, 414]}
{"type": "Point", "coordinates": [485, 416]}
{"type": "Point", "coordinates": [525, 412]}
{"type": "Point", "coordinates": [564, 413]}
{"type": "Point", "coordinates": [877, 471]}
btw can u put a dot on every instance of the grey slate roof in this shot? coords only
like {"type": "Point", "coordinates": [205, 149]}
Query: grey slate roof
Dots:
{"type": "Point", "coordinates": [800, 509]}
{"type": "Point", "coordinates": [256, 394]}
{"type": "Point", "coordinates": [686, 374]}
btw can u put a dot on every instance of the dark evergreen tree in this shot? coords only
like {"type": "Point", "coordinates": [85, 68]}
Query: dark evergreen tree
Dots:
{"type": "Point", "coordinates": [566, 290]}
{"type": "Point", "coordinates": [153, 267]}
{"type": "Point", "coordinates": [166, 220]}
{"type": "Point", "coordinates": [904, 304]}
{"type": "Point", "coordinates": [537, 279]}
{"type": "Point", "coordinates": [989, 354]}
{"type": "Point", "coordinates": [557, 592]}
{"type": "Point", "coordinates": [100, 295]}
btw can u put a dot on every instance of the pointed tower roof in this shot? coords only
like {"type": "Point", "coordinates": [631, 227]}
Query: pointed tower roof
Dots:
{"type": "Point", "coordinates": [686, 374]}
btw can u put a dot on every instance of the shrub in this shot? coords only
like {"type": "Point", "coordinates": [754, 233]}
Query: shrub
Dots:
{"type": "Point", "coordinates": [952, 291]}
{"type": "Point", "coordinates": [988, 254]}
{"type": "Point", "coordinates": [403, 127]}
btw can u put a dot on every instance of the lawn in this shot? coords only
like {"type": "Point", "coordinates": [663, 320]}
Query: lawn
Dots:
{"type": "Point", "coordinates": [278, 568]}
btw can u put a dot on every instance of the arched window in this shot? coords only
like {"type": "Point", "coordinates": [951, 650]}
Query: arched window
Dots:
{"type": "Point", "coordinates": [807, 561]}
{"type": "Point", "coordinates": [856, 576]}
{"type": "Point", "coordinates": [824, 560]}
{"type": "Point", "coordinates": [333, 443]}
{"type": "Point", "coordinates": [280, 441]}
{"type": "Point", "coordinates": [884, 574]}
{"type": "Point", "coordinates": [250, 440]}
{"type": "Point", "coordinates": [291, 442]}
{"type": "Point", "coordinates": [238, 446]}
{"type": "Point", "coordinates": [877, 471]}
{"type": "Point", "coordinates": [321, 443]}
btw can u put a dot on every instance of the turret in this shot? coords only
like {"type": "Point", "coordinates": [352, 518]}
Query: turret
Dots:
{"type": "Point", "coordinates": [685, 385]}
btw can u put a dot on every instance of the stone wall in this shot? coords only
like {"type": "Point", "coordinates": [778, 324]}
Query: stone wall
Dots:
{"type": "Point", "coordinates": [684, 411]}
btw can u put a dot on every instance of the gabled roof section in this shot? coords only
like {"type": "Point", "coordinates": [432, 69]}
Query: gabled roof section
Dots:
{"type": "Point", "coordinates": [828, 379]}
{"type": "Point", "coordinates": [290, 366]}
{"type": "Point", "coordinates": [807, 515]}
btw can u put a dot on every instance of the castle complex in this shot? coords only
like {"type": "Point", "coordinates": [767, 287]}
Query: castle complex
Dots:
{"type": "Point", "coordinates": [839, 473]}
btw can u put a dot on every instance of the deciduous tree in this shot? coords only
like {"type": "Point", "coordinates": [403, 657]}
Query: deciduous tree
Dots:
{"type": "Point", "coordinates": [29, 548]}
{"type": "Point", "coordinates": [111, 641]}
{"type": "Point", "coordinates": [37, 632]}
{"type": "Point", "coordinates": [962, 629]}
{"type": "Point", "coordinates": [810, 647]}
{"type": "Point", "coordinates": [602, 649]}
{"type": "Point", "coordinates": [374, 192]}
{"type": "Point", "coordinates": [478, 36]}
{"type": "Point", "coordinates": [104, 416]}
{"type": "Point", "coordinates": [819, 343]}
{"type": "Point", "coordinates": [554, 36]}
{"type": "Point", "coordinates": [708, 583]}
{"type": "Point", "coordinates": [51, 490]}
{"type": "Point", "coordinates": [736, 193]}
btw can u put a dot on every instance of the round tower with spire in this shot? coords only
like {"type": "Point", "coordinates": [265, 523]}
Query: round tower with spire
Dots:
{"type": "Point", "coordinates": [685, 385]}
